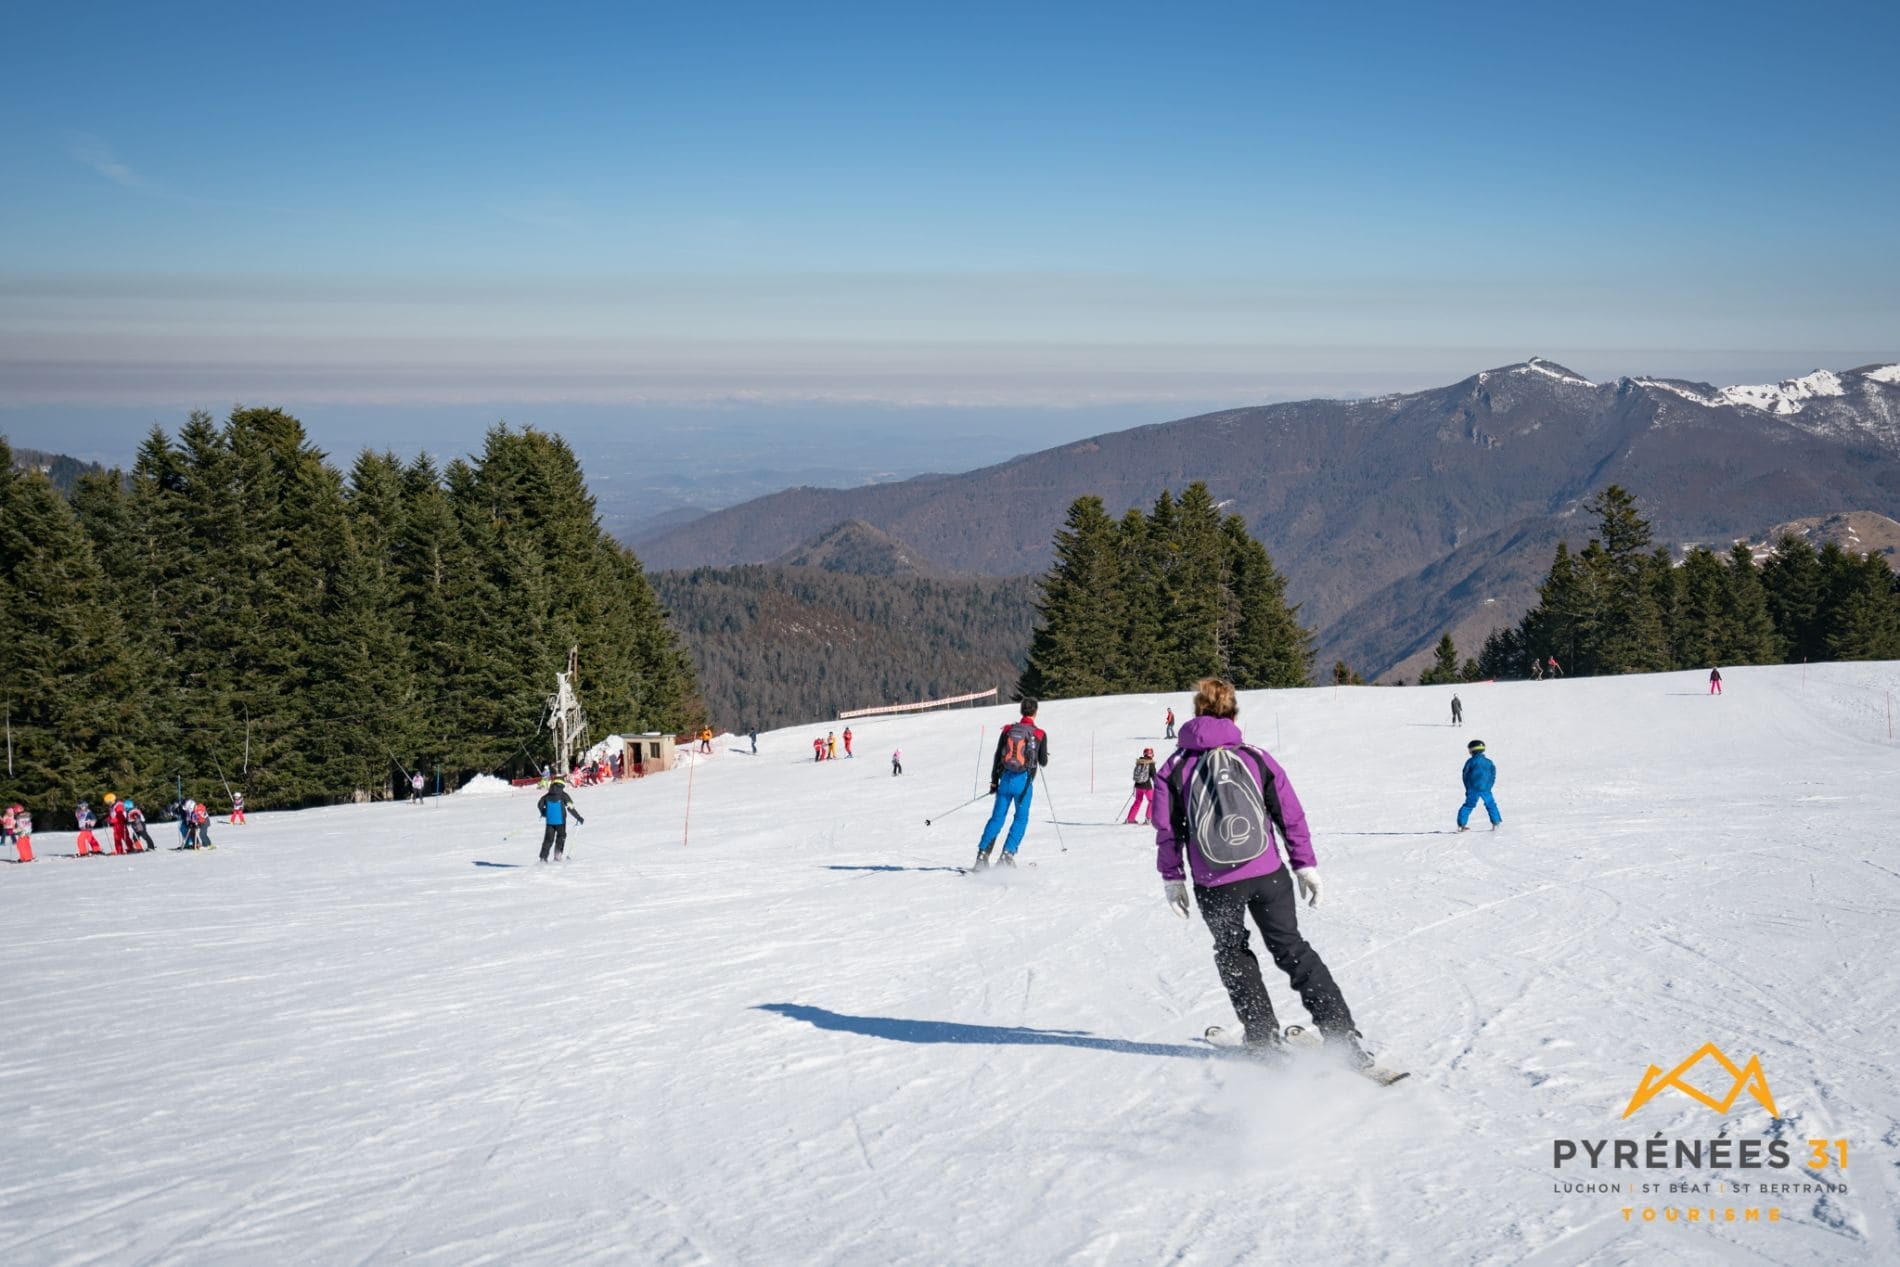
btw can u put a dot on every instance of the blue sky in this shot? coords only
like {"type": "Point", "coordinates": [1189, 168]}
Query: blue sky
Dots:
{"type": "Point", "coordinates": [1063, 206]}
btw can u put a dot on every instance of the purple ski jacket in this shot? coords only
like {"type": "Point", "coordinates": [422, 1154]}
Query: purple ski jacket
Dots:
{"type": "Point", "coordinates": [1198, 736]}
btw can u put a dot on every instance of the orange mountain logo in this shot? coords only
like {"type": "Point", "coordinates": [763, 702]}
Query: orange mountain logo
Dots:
{"type": "Point", "coordinates": [1748, 1077]}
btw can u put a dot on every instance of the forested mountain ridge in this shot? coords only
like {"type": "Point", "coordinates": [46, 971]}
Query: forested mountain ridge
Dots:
{"type": "Point", "coordinates": [1394, 519]}
{"type": "Point", "coordinates": [777, 645]}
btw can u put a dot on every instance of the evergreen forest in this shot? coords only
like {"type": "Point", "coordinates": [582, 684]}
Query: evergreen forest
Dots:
{"type": "Point", "coordinates": [1622, 604]}
{"type": "Point", "coordinates": [777, 645]}
{"type": "Point", "coordinates": [236, 614]}
{"type": "Point", "coordinates": [1156, 601]}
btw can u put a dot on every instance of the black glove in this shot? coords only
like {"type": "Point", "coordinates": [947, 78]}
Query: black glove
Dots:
{"type": "Point", "coordinates": [992, 789]}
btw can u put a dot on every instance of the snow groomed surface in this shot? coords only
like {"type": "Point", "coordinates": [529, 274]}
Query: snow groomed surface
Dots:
{"type": "Point", "coordinates": [382, 1033]}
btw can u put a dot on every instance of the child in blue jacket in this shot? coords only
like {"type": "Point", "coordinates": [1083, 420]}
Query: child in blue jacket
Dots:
{"type": "Point", "coordinates": [1480, 774]}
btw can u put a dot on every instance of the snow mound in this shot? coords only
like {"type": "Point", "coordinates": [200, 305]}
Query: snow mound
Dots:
{"type": "Point", "coordinates": [485, 785]}
{"type": "Point", "coordinates": [1885, 374]}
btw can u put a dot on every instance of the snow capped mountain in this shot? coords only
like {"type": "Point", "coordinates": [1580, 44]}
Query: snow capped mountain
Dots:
{"type": "Point", "coordinates": [1790, 396]}
{"type": "Point", "coordinates": [795, 1036]}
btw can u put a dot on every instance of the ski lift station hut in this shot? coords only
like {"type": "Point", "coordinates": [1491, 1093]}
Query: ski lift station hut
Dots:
{"type": "Point", "coordinates": [647, 754]}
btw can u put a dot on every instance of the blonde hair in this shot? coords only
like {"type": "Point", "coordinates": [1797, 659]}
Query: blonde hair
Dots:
{"type": "Point", "coordinates": [1214, 697]}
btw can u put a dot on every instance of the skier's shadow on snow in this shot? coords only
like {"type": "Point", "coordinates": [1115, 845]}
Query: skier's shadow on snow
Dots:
{"type": "Point", "coordinates": [888, 867]}
{"type": "Point", "coordinates": [899, 1030]}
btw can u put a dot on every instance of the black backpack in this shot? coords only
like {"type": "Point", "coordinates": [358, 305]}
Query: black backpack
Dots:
{"type": "Point", "coordinates": [1019, 748]}
{"type": "Point", "coordinates": [1223, 811]}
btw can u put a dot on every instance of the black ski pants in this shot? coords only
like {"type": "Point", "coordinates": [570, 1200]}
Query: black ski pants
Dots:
{"type": "Point", "coordinates": [1270, 899]}
{"type": "Point", "coordinates": [555, 838]}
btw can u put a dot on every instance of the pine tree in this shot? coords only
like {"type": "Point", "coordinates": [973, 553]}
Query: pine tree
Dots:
{"type": "Point", "coordinates": [1796, 593]}
{"type": "Point", "coordinates": [1702, 622]}
{"type": "Point", "coordinates": [1140, 658]}
{"type": "Point", "coordinates": [1197, 614]}
{"type": "Point", "coordinates": [1444, 666]}
{"type": "Point", "coordinates": [1747, 623]}
{"type": "Point", "coordinates": [1270, 648]}
{"type": "Point", "coordinates": [65, 665]}
{"type": "Point", "coordinates": [1629, 624]}
{"type": "Point", "coordinates": [1077, 640]}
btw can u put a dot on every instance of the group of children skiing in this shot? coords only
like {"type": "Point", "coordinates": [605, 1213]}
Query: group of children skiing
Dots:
{"type": "Point", "coordinates": [130, 833]}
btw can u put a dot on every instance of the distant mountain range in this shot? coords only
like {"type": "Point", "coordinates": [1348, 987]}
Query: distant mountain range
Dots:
{"type": "Point", "coordinates": [1398, 518]}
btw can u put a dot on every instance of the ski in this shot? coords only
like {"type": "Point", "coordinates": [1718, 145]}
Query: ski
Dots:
{"type": "Point", "coordinates": [1300, 1039]}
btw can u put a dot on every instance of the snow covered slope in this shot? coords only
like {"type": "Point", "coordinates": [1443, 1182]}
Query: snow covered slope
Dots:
{"type": "Point", "coordinates": [380, 1033]}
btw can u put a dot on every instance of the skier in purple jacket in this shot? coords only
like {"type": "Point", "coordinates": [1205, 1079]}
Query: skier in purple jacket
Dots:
{"type": "Point", "coordinates": [1261, 886]}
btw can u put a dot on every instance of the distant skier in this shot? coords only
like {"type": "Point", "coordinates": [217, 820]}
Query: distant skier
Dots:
{"type": "Point", "coordinates": [201, 826]}
{"type": "Point", "coordinates": [705, 739]}
{"type": "Point", "coordinates": [1457, 711]}
{"type": "Point", "coordinates": [897, 762]}
{"type": "Point", "coordinates": [1479, 775]}
{"type": "Point", "coordinates": [1021, 750]}
{"type": "Point", "coordinates": [1537, 669]}
{"type": "Point", "coordinates": [1552, 669]}
{"type": "Point", "coordinates": [16, 829]}
{"type": "Point", "coordinates": [88, 843]}
{"type": "Point", "coordinates": [818, 748]}
{"type": "Point", "coordinates": [115, 818]}
{"type": "Point", "coordinates": [142, 841]}
{"type": "Point", "coordinates": [1170, 730]}
{"type": "Point", "coordinates": [1715, 681]}
{"type": "Point", "coordinates": [1217, 803]}
{"type": "Point", "coordinates": [831, 746]}
{"type": "Point", "coordinates": [847, 741]}
{"type": "Point", "coordinates": [182, 811]}
{"type": "Point", "coordinates": [555, 808]}
{"type": "Point", "coordinates": [415, 788]}
{"type": "Point", "coordinates": [754, 737]}
{"type": "Point", "coordinates": [237, 809]}
{"type": "Point", "coordinates": [1141, 808]}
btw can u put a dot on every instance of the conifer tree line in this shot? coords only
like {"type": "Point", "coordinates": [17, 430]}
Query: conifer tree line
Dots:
{"type": "Point", "coordinates": [238, 612]}
{"type": "Point", "coordinates": [1157, 601]}
{"type": "Point", "coordinates": [1621, 606]}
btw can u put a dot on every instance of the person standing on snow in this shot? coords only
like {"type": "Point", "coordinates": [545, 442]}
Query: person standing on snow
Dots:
{"type": "Point", "coordinates": [1216, 799]}
{"type": "Point", "coordinates": [847, 741]}
{"type": "Point", "coordinates": [1141, 808]}
{"type": "Point", "coordinates": [831, 746]}
{"type": "Point", "coordinates": [1715, 681]}
{"type": "Point", "coordinates": [1552, 669]}
{"type": "Point", "coordinates": [555, 808]}
{"type": "Point", "coordinates": [16, 829]}
{"type": "Point", "coordinates": [115, 818]}
{"type": "Point", "coordinates": [1479, 775]}
{"type": "Point", "coordinates": [88, 843]}
{"type": "Point", "coordinates": [754, 736]}
{"type": "Point", "coordinates": [1021, 750]}
{"type": "Point", "coordinates": [135, 823]}
{"type": "Point", "coordinates": [897, 762]}
{"type": "Point", "coordinates": [817, 748]}
{"type": "Point", "coordinates": [1170, 731]}
{"type": "Point", "coordinates": [1457, 711]}
{"type": "Point", "coordinates": [415, 787]}
{"type": "Point", "coordinates": [237, 809]}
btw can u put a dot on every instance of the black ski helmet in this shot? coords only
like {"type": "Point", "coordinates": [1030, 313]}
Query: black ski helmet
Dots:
{"type": "Point", "coordinates": [1476, 745]}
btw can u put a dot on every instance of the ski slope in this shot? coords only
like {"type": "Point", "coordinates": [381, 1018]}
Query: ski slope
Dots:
{"type": "Point", "coordinates": [784, 1031]}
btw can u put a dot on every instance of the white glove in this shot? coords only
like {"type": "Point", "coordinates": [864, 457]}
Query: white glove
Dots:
{"type": "Point", "coordinates": [1177, 897]}
{"type": "Point", "coordinates": [1308, 880]}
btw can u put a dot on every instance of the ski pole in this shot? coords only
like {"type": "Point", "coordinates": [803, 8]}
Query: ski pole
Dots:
{"type": "Point", "coordinates": [973, 800]}
{"type": "Point", "coordinates": [1054, 821]}
{"type": "Point", "coordinates": [1124, 808]}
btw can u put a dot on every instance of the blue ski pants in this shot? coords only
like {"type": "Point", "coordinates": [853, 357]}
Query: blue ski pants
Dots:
{"type": "Point", "coordinates": [1011, 789]}
{"type": "Point", "coordinates": [1471, 802]}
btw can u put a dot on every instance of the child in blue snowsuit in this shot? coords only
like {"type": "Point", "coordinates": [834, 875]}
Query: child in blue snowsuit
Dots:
{"type": "Point", "coordinates": [1480, 774]}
